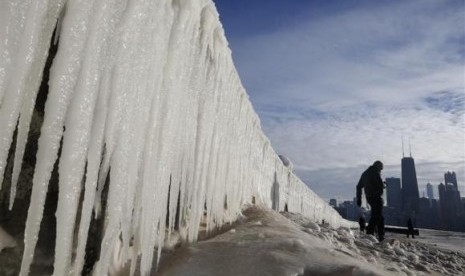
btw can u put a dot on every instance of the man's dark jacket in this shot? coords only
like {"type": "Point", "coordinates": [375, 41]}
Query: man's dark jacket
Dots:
{"type": "Point", "coordinates": [371, 182]}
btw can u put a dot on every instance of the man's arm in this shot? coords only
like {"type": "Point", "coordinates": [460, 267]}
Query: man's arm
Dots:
{"type": "Point", "coordinates": [359, 191]}
{"type": "Point", "coordinates": [379, 183]}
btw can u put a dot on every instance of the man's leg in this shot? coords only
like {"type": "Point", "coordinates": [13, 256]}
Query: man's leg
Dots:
{"type": "Point", "coordinates": [380, 220]}
{"type": "Point", "coordinates": [371, 223]}
{"type": "Point", "coordinates": [377, 219]}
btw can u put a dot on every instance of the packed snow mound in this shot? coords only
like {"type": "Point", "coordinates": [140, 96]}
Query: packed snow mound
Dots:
{"type": "Point", "coordinates": [268, 243]}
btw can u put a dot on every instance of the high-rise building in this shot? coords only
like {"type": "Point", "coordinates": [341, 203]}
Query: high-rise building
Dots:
{"type": "Point", "coordinates": [393, 193]}
{"type": "Point", "coordinates": [410, 194]}
{"type": "Point", "coordinates": [451, 207]}
{"type": "Point", "coordinates": [429, 191]}
{"type": "Point", "coordinates": [451, 178]}
{"type": "Point", "coordinates": [425, 216]}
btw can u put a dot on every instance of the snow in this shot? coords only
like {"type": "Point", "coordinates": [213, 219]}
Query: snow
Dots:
{"type": "Point", "coordinates": [281, 245]}
{"type": "Point", "coordinates": [143, 93]}
{"type": "Point", "coordinates": [454, 241]}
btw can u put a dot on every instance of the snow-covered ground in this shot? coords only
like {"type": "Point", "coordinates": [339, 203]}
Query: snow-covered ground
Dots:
{"type": "Point", "coordinates": [268, 243]}
{"type": "Point", "coordinates": [264, 242]}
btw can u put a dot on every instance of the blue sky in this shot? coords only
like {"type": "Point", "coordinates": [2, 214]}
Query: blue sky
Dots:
{"type": "Point", "coordinates": [338, 83]}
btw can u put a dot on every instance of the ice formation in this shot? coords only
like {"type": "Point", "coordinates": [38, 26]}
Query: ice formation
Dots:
{"type": "Point", "coordinates": [144, 93]}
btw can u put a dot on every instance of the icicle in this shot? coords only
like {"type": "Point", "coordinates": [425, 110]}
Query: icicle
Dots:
{"type": "Point", "coordinates": [78, 127]}
{"type": "Point", "coordinates": [11, 27]}
{"type": "Point", "coordinates": [21, 140]}
{"type": "Point", "coordinates": [94, 156]}
{"type": "Point", "coordinates": [27, 65]}
{"type": "Point", "coordinates": [61, 83]}
{"type": "Point", "coordinates": [43, 16]}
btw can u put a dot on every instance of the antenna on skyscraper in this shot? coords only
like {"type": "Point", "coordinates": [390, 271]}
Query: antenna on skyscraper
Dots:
{"type": "Point", "coordinates": [402, 137]}
{"type": "Point", "coordinates": [409, 147]}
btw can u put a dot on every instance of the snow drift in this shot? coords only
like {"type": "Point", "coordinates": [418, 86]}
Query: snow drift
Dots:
{"type": "Point", "coordinates": [143, 97]}
{"type": "Point", "coordinates": [264, 242]}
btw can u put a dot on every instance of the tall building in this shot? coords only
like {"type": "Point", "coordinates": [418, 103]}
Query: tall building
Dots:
{"type": "Point", "coordinates": [451, 207]}
{"type": "Point", "coordinates": [429, 191]}
{"type": "Point", "coordinates": [393, 193]}
{"type": "Point", "coordinates": [451, 178]}
{"type": "Point", "coordinates": [349, 210]}
{"type": "Point", "coordinates": [410, 194]}
{"type": "Point", "coordinates": [425, 217]}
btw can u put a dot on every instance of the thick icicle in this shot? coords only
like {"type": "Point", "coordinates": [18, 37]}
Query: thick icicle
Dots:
{"type": "Point", "coordinates": [43, 16]}
{"type": "Point", "coordinates": [21, 140]}
{"type": "Point", "coordinates": [78, 131]}
{"type": "Point", "coordinates": [26, 68]}
{"type": "Point", "coordinates": [12, 22]}
{"type": "Point", "coordinates": [61, 84]}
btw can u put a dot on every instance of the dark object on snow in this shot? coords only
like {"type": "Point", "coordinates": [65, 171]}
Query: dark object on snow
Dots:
{"type": "Point", "coordinates": [400, 230]}
{"type": "Point", "coordinates": [373, 186]}
{"type": "Point", "coordinates": [362, 223]}
{"type": "Point", "coordinates": [410, 228]}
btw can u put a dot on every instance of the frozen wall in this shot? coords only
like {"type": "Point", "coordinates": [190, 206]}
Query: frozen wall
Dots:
{"type": "Point", "coordinates": [144, 93]}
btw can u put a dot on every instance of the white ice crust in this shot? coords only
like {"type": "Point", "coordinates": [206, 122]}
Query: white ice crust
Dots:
{"type": "Point", "coordinates": [146, 93]}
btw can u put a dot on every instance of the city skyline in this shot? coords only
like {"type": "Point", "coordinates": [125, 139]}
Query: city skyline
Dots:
{"type": "Point", "coordinates": [422, 191]}
{"type": "Point", "coordinates": [336, 84]}
{"type": "Point", "coordinates": [403, 202]}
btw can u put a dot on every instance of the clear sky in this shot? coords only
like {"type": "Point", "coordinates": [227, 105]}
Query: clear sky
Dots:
{"type": "Point", "coordinates": [338, 83]}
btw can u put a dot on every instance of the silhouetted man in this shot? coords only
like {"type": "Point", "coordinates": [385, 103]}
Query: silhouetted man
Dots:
{"type": "Point", "coordinates": [410, 230]}
{"type": "Point", "coordinates": [371, 182]}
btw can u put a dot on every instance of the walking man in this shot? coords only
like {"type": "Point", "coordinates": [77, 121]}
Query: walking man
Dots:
{"type": "Point", "coordinates": [410, 230]}
{"type": "Point", "coordinates": [373, 186]}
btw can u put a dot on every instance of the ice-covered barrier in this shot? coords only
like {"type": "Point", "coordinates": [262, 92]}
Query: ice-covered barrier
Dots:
{"type": "Point", "coordinates": [143, 93]}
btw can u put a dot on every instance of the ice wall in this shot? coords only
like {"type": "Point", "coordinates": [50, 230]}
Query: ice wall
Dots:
{"type": "Point", "coordinates": [143, 92]}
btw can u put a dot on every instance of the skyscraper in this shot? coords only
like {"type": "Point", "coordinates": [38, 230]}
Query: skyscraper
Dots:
{"type": "Point", "coordinates": [429, 191]}
{"type": "Point", "coordinates": [452, 212]}
{"type": "Point", "coordinates": [410, 194]}
{"type": "Point", "coordinates": [393, 192]}
{"type": "Point", "coordinates": [451, 178]}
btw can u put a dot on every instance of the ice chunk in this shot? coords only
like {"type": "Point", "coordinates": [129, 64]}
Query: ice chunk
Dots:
{"type": "Point", "coordinates": [312, 225]}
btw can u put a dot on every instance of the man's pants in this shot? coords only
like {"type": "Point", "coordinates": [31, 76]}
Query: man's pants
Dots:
{"type": "Point", "coordinates": [376, 219]}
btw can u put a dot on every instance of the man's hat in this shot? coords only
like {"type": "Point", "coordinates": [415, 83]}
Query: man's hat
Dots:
{"type": "Point", "coordinates": [378, 164]}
